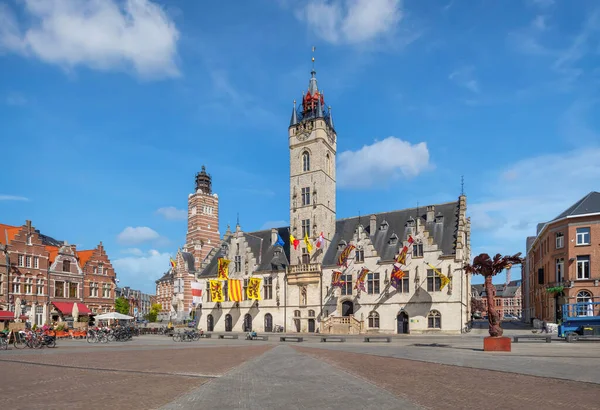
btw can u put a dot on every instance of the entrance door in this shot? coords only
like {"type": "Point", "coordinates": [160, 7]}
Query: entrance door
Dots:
{"type": "Point", "coordinates": [347, 308]}
{"type": "Point", "coordinates": [247, 322]}
{"type": "Point", "coordinates": [311, 325]}
{"type": "Point", "coordinates": [210, 323]}
{"type": "Point", "coordinates": [268, 323]}
{"type": "Point", "coordinates": [228, 323]}
{"type": "Point", "coordinates": [402, 320]}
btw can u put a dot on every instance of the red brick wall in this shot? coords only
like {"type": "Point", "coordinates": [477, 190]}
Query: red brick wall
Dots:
{"type": "Point", "coordinates": [202, 227]}
{"type": "Point", "coordinates": [99, 304]}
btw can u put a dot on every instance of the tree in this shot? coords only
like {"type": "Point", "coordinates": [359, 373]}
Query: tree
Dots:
{"type": "Point", "coordinates": [154, 310]}
{"type": "Point", "coordinates": [487, 267]}
{"type": "Point", "coordinates": [122, 305]}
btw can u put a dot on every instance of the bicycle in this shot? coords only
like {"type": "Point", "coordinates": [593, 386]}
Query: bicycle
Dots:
{"type": "Point", "coordinates": [468, 327]}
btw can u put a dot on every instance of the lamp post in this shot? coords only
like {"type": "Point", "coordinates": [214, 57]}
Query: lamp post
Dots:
{"type": "Point", "coordinates": [23, 306]}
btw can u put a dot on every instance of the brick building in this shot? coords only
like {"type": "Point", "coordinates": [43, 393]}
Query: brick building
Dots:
{"type": "Point", "coordinates": [507, 301]}
{"type": "Point", "coordinates": [139, 302]}
{"type": "Point", "coordinates": [563, 260]}
{"type": "Point", "coordinates": [46, 277]}
{"type": "Point", "coordinates": [164, 295]}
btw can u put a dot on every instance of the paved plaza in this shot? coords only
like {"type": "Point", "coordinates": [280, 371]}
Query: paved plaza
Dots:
{"type": "Point", "coordinates": [412, 372]}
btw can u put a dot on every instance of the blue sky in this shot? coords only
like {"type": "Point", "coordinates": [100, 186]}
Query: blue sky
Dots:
{"type": "Point", "coordinates": [108, 108]}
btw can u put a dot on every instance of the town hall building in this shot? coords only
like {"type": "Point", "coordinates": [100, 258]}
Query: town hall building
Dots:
{"type": "Point", "coordinates": [392, 272]}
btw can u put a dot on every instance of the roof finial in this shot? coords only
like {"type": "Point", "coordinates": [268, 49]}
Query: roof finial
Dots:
{"type": "Point", "coordinates": [238, 219]}
{"type": "Point", "coordinates": [462, 185]}
{"type": "Point", "coordinates": [313, 57]}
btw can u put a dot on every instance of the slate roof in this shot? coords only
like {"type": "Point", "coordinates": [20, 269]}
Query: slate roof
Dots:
{"type": "Point", "coordinates": [168, 276]}
{"type": "Point", "coordinates": [443, 233]}
{"type": "Point", "coordinates": [586, 205]}
{"type": "Point", "coordinates": [189, 260]}
{"type": "Point", "coordinates": [507, 291]}
{"type": "Point", "coordinates": [262, 248]}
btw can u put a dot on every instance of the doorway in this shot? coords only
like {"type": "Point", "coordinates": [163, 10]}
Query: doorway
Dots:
{"type": "Point", "coordinates": [268, 323]}
{"type": "Point", "coordinates": [347, 308]}
{"type": "Point", "coordinates": [210, 323]}
{"type": "Point", "coordinates": [247, 322]}
{"type": "Point", "coordinates": [228, 323]}
{"type": "Point", "coordinates": [311, 325]}
{"type": "Point", "coordinates": [402, 320]}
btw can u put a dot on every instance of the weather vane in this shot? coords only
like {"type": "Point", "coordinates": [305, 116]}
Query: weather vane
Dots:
{"type": "Point", "coordinates": [313, 57]}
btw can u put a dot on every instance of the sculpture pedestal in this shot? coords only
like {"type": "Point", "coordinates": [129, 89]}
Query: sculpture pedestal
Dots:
{"type": "Point", "coordinates": [496, 344]}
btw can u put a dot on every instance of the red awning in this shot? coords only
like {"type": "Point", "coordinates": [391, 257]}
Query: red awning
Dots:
{"type": "Point", "coordinates": [6, 315]}
{"type": "Point", "coordinates": [66, 308]}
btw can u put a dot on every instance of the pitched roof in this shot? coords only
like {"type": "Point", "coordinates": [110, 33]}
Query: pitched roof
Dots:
{"type": "Point", "coordinates": [52, 253]}
{"type": "Point", "coordinates": [189, 260]}
{"type": "Point", "coordinates": [443, 231]}
{"type": "Point", "coordinates": [267, 257]}
{"type": "Point", "coordinates": [11, 232]}
{"type": "Point", "coordinates": [168, 276]}
{"type": "Point", "coordinates": [84, 256]}
{"type": "Point", "coordinates": [586, 205]}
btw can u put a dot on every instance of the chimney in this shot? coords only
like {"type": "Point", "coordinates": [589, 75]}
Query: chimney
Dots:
{"type": "Point", "coordinates": [430, 213]}
{"type": "Point", "coordinates": [372, 225]}
{"type": "Point", "coordinates": [273, 236]}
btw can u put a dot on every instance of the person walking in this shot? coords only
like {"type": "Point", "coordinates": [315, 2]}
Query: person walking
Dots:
{"type": "Point", "coordinates": [544, 327]}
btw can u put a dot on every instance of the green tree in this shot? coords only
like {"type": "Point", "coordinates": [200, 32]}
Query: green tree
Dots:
{"type": "Point", "coordinates": [122, 305]}
{"type": "Point", "coordinates": [154, 310]}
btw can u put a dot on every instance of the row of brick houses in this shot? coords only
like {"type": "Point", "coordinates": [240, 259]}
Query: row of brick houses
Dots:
{"type": "Point", "coordinates": [563, 261]}
{"type": "Point", "coordinates": [41, 278]}
{"type": "Point", "coordinates": [507, 300]}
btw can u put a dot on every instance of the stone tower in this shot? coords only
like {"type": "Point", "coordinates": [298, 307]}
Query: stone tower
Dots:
{"type": "Point", "coordinates": [203, 219]}
{"type": "Point", "coordinates": [313, 141]}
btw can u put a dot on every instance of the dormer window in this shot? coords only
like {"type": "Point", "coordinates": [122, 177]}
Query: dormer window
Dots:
{"type": "Point", "coordinates": [224, 248]}
{"type": "Point", "coordinates": [439, 218]}
{"type": "Point", "coordinates": [277, 252]}
{"type": "Point", "coordinates": [384, 225]}
{"type": "Point", "coordinates": [342, 245]}
{"type": "Point", "coordinates": [410, 223]}
{"type": "Point", "coordinates": [393, 239]}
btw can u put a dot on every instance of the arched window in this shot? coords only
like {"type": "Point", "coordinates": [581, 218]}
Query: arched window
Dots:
{"type": "Point", "coordinates": [305, 161]}
{"type": "Point", "coordinates": [434, 320]}
{"type": "Point", "coordinates": [296, 313]}
{"type": "Point", "coordinates": [585, 307]}
{"type": "Point", "coordinates": [311, 313]}
{"type": "Point", "coordinates": [374, 320]}
{"type": "Point", "coordinates": [210, 323]}
{"type": "Point", "coordinates": [328, 164]}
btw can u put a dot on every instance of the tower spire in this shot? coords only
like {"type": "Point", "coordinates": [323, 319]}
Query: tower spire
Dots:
{"type": "Point", "coordinates": [294, 119]}
{"type": "Point", "coordinates": [462, 185]}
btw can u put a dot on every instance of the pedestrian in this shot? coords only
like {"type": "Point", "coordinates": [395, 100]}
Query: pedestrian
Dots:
{"type": "Point", "coordinates": [544, 327]}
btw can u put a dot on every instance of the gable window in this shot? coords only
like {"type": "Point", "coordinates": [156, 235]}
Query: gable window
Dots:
{"type": "Point", "coordinates": [433, 281]}
{"type": "Point", "coordinates": [384, 225]}
{"type": "Point", "coordinates": [393, 239]}
{"type": "Point", "coordinates": [560, 240]}
{"type": "Point", "coordinates": [373, 283]}
{"type": "Point", "coordinates": [238, 263]}
{"type": "Point", "coordinates": [359, 255]}
{"type": "Point", "coordinates": [66, 265]}
{"type": "Point", "coordinates": [306, 196]}
{"type": "Point", "coordinates": [434, 320]}
{"type": "Point", "coordinates": [583, 267]}
{"type": "Point", "coordinates": [28, 239]}
{"type": "Point", "coordinates": [305, 161]}
{"type": "Point", "coordinates": [100, 269]}
{"type": "Point", "coordinates": [417, 251]}
{"type": "Point", "coordinates": [305, 227]}
{"type": "Point", "coordinates": [374, 320]}
{"type": "Point", "coordinates": [268, 288]}
{"type": "Point", "coordinates": [347, 286]}
{"type": "Point", "coordinates": [560, 268]}
{"type": "Point", "coordinates": [583, 236]}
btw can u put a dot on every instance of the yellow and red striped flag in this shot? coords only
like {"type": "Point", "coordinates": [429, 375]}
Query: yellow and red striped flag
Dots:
{"type": "Point", "coordinates": [234, 289]}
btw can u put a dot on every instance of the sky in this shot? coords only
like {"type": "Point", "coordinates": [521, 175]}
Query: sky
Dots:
{"type": "Point", "coordinates": [108, 109]}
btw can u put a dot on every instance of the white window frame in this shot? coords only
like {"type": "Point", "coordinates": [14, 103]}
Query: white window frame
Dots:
{"type": "Point", "coordinates": [560, 270]}
{"type": "Point", "coordinates": [36, 262]}
{"type": "Point", "coordinates": [581, 267]}
{"type": "Point", "coordinates": [560, 240]}
{"type": "Point", "coordinates": [21, 260]}
{"type": "Point", "coordinates": [580, 236]}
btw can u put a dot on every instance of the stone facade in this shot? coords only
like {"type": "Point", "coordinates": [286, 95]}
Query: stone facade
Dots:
{"type": "Point", "coordinates": [565, 253]}
{"type": "Point", "coordinates": [297, 286]}
{"type": "Point", "coordinates": [164, 295]}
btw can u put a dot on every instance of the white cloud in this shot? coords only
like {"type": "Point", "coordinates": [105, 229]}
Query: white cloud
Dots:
{"type": "Point", "coordinates": [13, 198]}
{"type": "Point", "coordinates": [132, 236]}
{"type": "Point", "coordinates": [140, 272]}
{"type": "Point", "coordinates": [465, 77]}
{"type": "Point", "coordinates": [532, 191]}
{"type": "Point", "coordinates": [350, 21]}
{"type": "Point", "coordinates": [274, 224]}
{"type": "Point", "coordinates": [383, 161]}
{"type": "Point", "coordinates": [172, 213]}
{"type": "Point", "coordinates": [133, 251]}
{"type": "Point", "coordinates": [101, 34]}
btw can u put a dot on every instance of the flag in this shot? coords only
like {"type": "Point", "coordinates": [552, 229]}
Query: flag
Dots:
{"type": "Point", "coordinates": [197, 293]}
{"type": "Point", "coordinates": [253, 291]}
{"type": "Point", "coordinates": [173, 263]}
{"type": "Point", "coordinates": [320, 240]}
{"type": "Point", "coordinates": [216, 291]}
{"type": "Point", "coordinates": [279, 241]}
{"type": "Point", "coordinates": [223, 269]}
{"type": "Point", "coordinates": [343, 258]}
{"type": "Point", "coordinates": [395, 277]}
{"type": "Point", "coordinates": [401, 259]}
{"type": "Point", "coordinates": [336, 279]}
{"type": "Point", "coordinates": [309, 247]}
{"type": "Point", "coordinates": [234, 289]}
{"type": "Point", "coordinates": [313, 49]}
{"type": "Point", "coordinates": [445, 280]}
{"type": "Point", "coordinates": [360, 281]}
{"type": "Point", "coordinates": [294, 241]}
